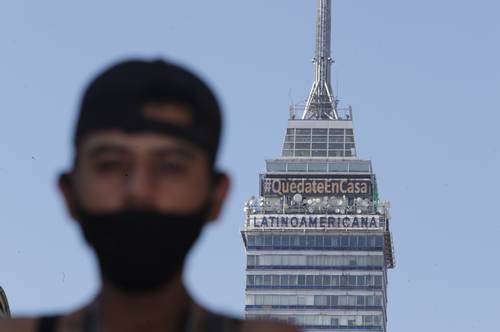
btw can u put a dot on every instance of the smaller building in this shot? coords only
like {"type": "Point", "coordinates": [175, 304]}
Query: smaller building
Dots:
{"type": "Point", "coordinates": [4, 305]}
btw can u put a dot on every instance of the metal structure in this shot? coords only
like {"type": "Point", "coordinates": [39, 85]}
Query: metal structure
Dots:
{"type": "Point", "coordinates": [4, 305]}
{"type": "Point", "coordinates": [322, 103]}
{"type": "Point", "coordinates": [317, 237]}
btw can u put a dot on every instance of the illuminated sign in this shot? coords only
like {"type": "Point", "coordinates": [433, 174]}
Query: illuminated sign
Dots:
{"type": "Point", "coordinates": [316, 187]}
{"type": "Point", "coordinates": [316, 221]}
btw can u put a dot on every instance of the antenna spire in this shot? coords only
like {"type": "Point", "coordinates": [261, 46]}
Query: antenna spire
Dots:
{"type": "Point", "coordinates": [322, 104]}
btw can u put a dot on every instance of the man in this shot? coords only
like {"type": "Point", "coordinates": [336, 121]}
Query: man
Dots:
{"type": "Point", "coordinates": [142, 186]}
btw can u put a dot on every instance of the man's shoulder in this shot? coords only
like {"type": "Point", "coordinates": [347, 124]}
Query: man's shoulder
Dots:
{"type": "Point", "coordinates": [230, 324]}
{"type": "Point", "coordinates": [18, 325]}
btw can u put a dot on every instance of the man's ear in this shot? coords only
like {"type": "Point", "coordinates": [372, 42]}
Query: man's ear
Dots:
{"type": "Point", "coordinates": [65, 184]}
{"type": "Point", "coordinates": [221, 187]}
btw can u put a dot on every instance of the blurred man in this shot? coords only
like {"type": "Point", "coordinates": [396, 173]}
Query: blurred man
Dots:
{"type": "Point", "coordinates": [142, 187]}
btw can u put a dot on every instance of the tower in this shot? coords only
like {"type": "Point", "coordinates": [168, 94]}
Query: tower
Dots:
{"type": "Point", "coordinates": [317, 237]}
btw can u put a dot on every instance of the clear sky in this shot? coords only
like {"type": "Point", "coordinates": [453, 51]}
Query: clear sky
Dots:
{"type": "Point", "coordinates": [423, 78]}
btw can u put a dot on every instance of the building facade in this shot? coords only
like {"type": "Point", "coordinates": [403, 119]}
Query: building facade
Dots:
{"type": "Point", "coordinates": [317, 237]}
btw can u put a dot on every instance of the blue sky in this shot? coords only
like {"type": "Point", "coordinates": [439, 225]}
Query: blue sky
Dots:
{"type": "Point", "coordinates": [423, 78]}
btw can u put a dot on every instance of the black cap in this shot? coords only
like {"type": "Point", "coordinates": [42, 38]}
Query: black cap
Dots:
{"type": "Point", "coordinates": [116, 97]}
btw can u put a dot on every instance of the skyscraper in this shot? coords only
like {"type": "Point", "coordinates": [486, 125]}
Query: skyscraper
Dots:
{"type": "Point", "coordinates": [4, 305]}
{"type": "Point", "coordinates": [317, 238]}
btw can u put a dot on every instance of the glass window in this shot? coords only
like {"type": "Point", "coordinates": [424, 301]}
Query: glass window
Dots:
{"type": "Point", "coordinates": [378, 280]}
{"type": "Point", "coordinates": [318, 281]}
{"type": "Point", "coordinates": [371, 241]}
{"type": "Point", "coordinates": [251, 260]}
{"type": "Point", "coordinates": [370, 300]}
{"type": "Point", "coordinates": [302, 145]}
{"type": "Point", "coordinates": [309, 281]}
{"type": "Point", "coordinates": [302, 241]}
{"type": "Point", "coordinates": [336, 139]}
{"type": "Point", "coordinates": [379, 241]}
{"type": "Point", "coordinates": [302, 280]}
{"type": "Point", "coordinates": [287, 153]}
{"type": "Point", "coordinates": [327, 241]}
{"type": "Point", "coordinates": [319, 146]}
{"type": "Point", "coordinates": [297, 167]}
{"type": "Point", "coordinates": [294, 240]}
{"type": "Point", "coordinates": [336, 132]}
{"type": "Point", "coordinates": [268, 240]}
{"type": "Point", "coordinates": [335, 241]}
{"type": "Point", "coordinates": [362, 241]}
{"type": "Point", "coordinates": [290, 131]}
{"type": "Point", "coordinates": [251, 240]}
{"type": "Point", "coordinates": [344, 281]}
{"type": "Point", "coordinates": [259, 281]}
{"type": "Point", "coordinates": [288, 146]}
{"type": "Point", "coordinates": [320, 131]}
{"type": "Point", "coordinates": [250, 280]}
{"type": "Point", "coordinates": [378, 300]}
{"type": "Point", "coordinates": [320, 139]}
{"type": "Point", "coordinates": [344, 241]}
{"type": "Point", "coordinates": [289, 138]}
{"type": "Point", "coordinates": [335, 153]}
{"type": "Point", "coordinates": [284, 280]}
{"type": "Point", "coordinates": [303, 131]}
{"type": "Point", "coordinates": [349, 139]}
{"type": "Point", "coordinates": [335, 280]}
{"type": "Point", "coordinates": [349, 132]}
{"type": "Point", "coordinates": [361, 281]}
{"type": "Point", "coordinates": [348, 146]}
{"type": "Point", "coordinates": [293, 280]}
{"type": "Point", "coordinates": [277, 241]}
{"type": "Point", "coordinates": [334, 322]}
{"type": "Point", "coordinates": [336, 146]}
{"type": "Point", "coordinates": [353, 242]}
{"type": "Point", "coordinates": [318, 153]}
{"type": "Point", "coordinates": [310, 241]}
{"type": "Point", "coordinates": [317, 167]}
{"type": "Point", "coordinates": [319, 241]}
{"type": "Point", "coordinates": [302, 139]}
{"type": "Point", "coordinates": [267, 280]}
{"type": "Point", "coordinates": [285, 241]}
{"type": "Point", "coordinates": [327, 281]}
{"type": "Point", "coordinates": [258, 240]}
{"type": "Point", "coordinates": [352, 280]}
{"type": "Point", "coordinates": [276, 281]}
{"type": "Point", "coordinates": [302, 153]}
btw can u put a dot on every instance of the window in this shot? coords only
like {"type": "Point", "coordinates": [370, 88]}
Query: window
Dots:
{"type": "Point", "coordinates": [302, 145]}
{"type": "Point", "coordinates": [302, 139]}
{"type": "Point", "coordinates": [250, 280]}
{"type": "Point", "coordinates": [301, 153]}
{"type": "Point", "coordinates": [320, 131]}
{"type": "Point", "coordinates": [338, 167]}
{"type": "Point", "coordinates": [297, 167]}
{"type": "Point", "coordinates": [336, 146]}
{"type": "Point", "coordinates": [290, 131]}
{"type": "Point", "coordinates": [336, 139]}
{"type": "Point", "coordinates": [320, 139]}
{"type": "Point", "coordinates": [251, 240]}
{"type": "Point", "coordinates": [288, 146]}
{"type": "Point", "coordinates": [317, 167]}
{"type": "Point", "coordinates": [289, 138]}
{"type": "Point", "coordinates": [336, 132]}
{"type": "Point", "coordinates": [318, 153]}
{"type": "Point", "coordinates": [303, 131]}
{"type": "Point", "coordinates": [318, 281]}
{"type": "Point", "coordinates": [319, 146]}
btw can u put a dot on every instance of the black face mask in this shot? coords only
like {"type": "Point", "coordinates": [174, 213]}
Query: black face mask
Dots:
{"type": "Point", "coordinates": [141, 250]}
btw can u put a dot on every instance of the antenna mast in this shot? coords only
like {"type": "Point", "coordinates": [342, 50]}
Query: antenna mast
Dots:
{"type": "Point", "coordinates": [322, 104]}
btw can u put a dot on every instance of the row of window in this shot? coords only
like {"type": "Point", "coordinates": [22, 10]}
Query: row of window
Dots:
{"type": "Point", "coordinates": [319, 153]}
{"type": "Point", "coordinates": [319, 131]}
{"type": "Point", "coordinates": [325, 320]}
{"type": "Point", "coordinates": [313, 281]}
{"type": "Point", "coordinates": [329, 242]}
{"type": "Point", "coordinates": [315, 166]}
{"type": "Point", "coordinates": [318, 139]}
{"type": "Point", "coordinates": [314, 300]}
{"type": "Point", "coordinates": [319, 146]}
{"type": "Point", "coordinates": [314, 260]}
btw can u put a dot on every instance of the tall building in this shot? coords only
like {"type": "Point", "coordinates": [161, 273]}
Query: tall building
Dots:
{"type": "Point", "coordinates": [4, 305]}
{"type": "Point", "coordinates": [317, 238]}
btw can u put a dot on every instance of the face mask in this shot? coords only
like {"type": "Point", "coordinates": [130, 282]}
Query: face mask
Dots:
{"type": "Point", "coordinates": [141, 250]}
